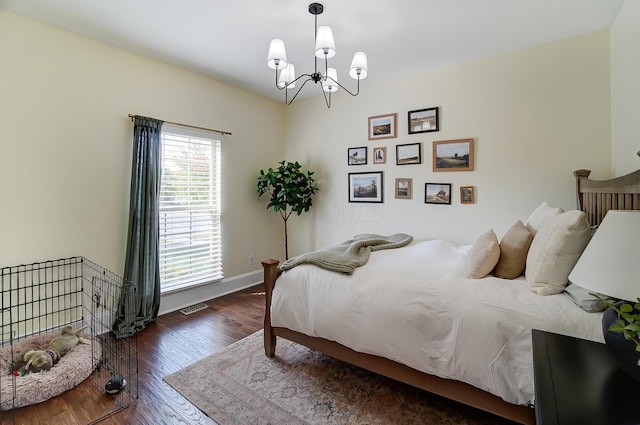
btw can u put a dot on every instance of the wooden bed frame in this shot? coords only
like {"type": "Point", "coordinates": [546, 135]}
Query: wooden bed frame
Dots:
{"type": "Point", "coordinates": [594, 197]}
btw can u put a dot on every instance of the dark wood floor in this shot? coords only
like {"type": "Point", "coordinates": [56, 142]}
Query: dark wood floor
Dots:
{"type": "Point", "coordinates": [171, 343]}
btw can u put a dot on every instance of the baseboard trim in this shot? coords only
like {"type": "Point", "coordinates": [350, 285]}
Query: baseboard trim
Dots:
{"type": "Point", "coordinates": [180, 299]}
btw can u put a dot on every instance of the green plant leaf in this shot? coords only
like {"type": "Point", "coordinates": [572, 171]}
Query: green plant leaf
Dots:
{"type": "Point", "coordinates": [625, 308]}
{"type": "Point", "coordinates": [616, 328]}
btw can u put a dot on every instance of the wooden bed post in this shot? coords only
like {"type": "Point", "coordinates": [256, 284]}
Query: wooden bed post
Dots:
{"type": "Point", "coordinates": [579, 197]}
{"type": "Point", "coordinates": [271, 272]}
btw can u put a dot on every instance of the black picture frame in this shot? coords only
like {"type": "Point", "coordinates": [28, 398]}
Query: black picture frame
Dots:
{"type": "Point", "coordinates": [408, 153]}
{"type": "Point", "coordinates": [357, 156]}
{"type": "Point", "coordinates": [437, 193]}
{"type": "Point", "coordinates": [423, 120]}
{"type": "Point", "coordinates": [366, 187]}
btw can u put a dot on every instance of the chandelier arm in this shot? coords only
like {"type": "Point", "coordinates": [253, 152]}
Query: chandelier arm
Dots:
{"type": "Point", "coordinates": [327, 101]}
{"type": "Point", "coordinates": [344, 88]}
{"type": "Point", "coordinates": [292, 82]}
{"type": "Point", "coordinates": [301, 86]}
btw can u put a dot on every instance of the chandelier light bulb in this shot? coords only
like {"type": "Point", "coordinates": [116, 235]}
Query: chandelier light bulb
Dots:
{"type": "Point", "coordinates": [330, 81]}
{"type": "Point", "coordinates": [358, 68]}
{"type": "Point", "coordinates": [287, 75]}
{"type": "Point", "coordinates": [325, 46]}
{"type": "Point", "coordinates": [277, 58]}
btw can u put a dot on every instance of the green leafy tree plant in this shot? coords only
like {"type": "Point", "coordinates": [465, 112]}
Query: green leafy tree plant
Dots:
{"type": "Point", "coordinates": [290, 190]}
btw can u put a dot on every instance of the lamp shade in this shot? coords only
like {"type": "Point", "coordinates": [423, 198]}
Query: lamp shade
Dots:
{"type": "Point", "coordinates": [325, 46]}
{"type": "Point", "coordinates": [277, 57]}
{"type": "Point", "coordinates": [610, 264]}
{"type": "Point", "coordinates": [330, 83]}
{"type": "Point", "coordinates": [358, 68]}
{"type": "Point", "coordinates": [287, 75]}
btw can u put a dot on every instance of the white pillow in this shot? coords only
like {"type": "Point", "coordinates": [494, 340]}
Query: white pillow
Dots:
{"type": "Point", "coordinates": [483, 255]}
{"type": "Point", "coordinates": [540, 215]}
{"type": "Point", "coordinates": [555, 250]}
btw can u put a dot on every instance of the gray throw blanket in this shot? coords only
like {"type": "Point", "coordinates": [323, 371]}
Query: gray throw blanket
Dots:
{"type": "Point", "coordinates": [345, 257]}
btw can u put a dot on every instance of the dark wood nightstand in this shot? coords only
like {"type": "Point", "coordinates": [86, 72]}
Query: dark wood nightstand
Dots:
{"type": "Point", "coordinates": [577, 382]}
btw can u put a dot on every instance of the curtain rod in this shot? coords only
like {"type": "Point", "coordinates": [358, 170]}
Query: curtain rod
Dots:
{"type": "Point", "coordinates": [191, 126]}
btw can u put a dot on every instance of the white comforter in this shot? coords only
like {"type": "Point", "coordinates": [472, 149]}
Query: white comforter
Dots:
{"type": "Point", "coordinates": [415, 305]}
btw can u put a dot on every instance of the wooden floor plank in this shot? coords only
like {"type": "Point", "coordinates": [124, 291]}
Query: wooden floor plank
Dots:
{"type": "Point", "coordinates": [172, 342]}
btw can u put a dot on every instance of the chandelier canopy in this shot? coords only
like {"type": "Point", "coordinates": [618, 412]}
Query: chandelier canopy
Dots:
{"type": "Point", "coordinates": [325, 48]}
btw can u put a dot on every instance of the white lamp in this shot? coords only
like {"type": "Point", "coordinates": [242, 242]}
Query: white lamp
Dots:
{"type": "Point", "coordinates": [287, 77]}
{"type": "Point", "coordinates": [277, 57]}
{"type": "Point", "coordinates": [330, 83]}
{"type": "Point", "coordinates": [325, 45]}
{"type": "Point", "coordinates": [359, 66]}
{"type": "Point", "coordinates": [610, 264]}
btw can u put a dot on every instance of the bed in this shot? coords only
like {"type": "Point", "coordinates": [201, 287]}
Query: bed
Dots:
{"type": "Point", "coordinates": [435, 328]}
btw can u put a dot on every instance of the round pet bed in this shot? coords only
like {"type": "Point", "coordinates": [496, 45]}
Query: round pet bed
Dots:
{"type": "Point", "coordinates": [34, 388]}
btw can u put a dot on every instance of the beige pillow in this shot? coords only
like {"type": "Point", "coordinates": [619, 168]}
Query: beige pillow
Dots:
{"type": "Point", "coordinates": [514, 247]}
{"type": "Point", "coordinates": [555, 250]}
{"type": "Point", "coordinates": [540, 215]}
{"type": "Point", "coordinates": [483, 255]}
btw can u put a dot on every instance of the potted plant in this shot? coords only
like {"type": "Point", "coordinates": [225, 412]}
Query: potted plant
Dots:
{"type": "Point", "coordinates": [621, 331]}
{"type": "Point", "coordinates": [290, 190]}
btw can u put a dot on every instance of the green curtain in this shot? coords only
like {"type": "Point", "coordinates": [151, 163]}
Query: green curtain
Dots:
{"type": "Point", "coordinates": [140, 306]}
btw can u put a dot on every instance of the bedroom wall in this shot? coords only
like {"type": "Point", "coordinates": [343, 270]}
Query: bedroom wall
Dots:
{"type": "Point", "coordinates": [536, 115]}
{"type": "Point", "coordinates": [65, 147]}
{"type": "Point", "coordinates": [625, 88]}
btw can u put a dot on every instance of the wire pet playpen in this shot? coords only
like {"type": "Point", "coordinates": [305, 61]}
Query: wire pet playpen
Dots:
{"type": "Point", "coordinates": [37, 300]}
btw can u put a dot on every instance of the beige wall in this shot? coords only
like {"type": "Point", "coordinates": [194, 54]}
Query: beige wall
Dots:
{"type": "Point", "coordinates": [65, 146]}
{"type": "Point", "coordinates": [536, 115]}
{"type": "Point", "coordinates": [625, 88]}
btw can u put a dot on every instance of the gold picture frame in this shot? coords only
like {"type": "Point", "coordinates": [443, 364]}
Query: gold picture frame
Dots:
{"type": "Point", "coordinates": [380, 155]}
{"type": "Point", "coordinates": [467, 195]}
{"type": "Point", "coordinates": [453, 155]}
{"type": "Point", "coordinates": [404, 188]}
{"type": "Point", "coordinates": [383, 126]}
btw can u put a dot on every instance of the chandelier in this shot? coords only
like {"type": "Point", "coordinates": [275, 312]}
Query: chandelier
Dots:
{"type": "Point", "coordinates": [325, 48]}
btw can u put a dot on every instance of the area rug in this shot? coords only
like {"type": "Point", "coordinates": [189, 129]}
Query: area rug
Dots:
{"type": "Point", "coordinates": [239, 385]}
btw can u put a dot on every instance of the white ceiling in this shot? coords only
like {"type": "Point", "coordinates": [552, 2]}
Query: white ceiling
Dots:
{"type": "Point", "coordinates": [228, 39]}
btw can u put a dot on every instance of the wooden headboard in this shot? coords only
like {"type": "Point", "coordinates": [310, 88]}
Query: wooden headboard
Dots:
{"type": "Point", "coordinates": [596, 197]}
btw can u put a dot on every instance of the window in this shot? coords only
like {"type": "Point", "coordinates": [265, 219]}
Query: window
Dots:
{"type": "Point", "coordinates": [190, 234]}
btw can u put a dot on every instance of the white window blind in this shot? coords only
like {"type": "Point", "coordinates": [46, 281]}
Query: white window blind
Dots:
{"type": "Point", "coordinates": [190, 234]}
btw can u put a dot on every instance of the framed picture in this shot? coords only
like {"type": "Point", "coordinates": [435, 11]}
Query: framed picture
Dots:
{"type": "Point", "coordinates": [357, 156]}
{"type": "Point", "coordinates": [382, 127]}
{"type": "Point", "coordinates": [467, 195]}
{"type": "Point", "coordinates": [408, 154]}
{"type": "Point", "coordinates": [404, 188]}
{"type": "Point", "coordinates": [437, 193]}
{"type": "Point", "coordinates": [379, 155]}
{"type": "Point", "coordinates": [453, 155]}
{"type": "Point", "coordinates": [423, 121]}
{"type": "Point", "coordinates": [366, 187]}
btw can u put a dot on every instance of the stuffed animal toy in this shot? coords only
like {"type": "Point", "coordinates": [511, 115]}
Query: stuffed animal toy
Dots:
{"type": "Point", "coordinates": [39, 360]}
